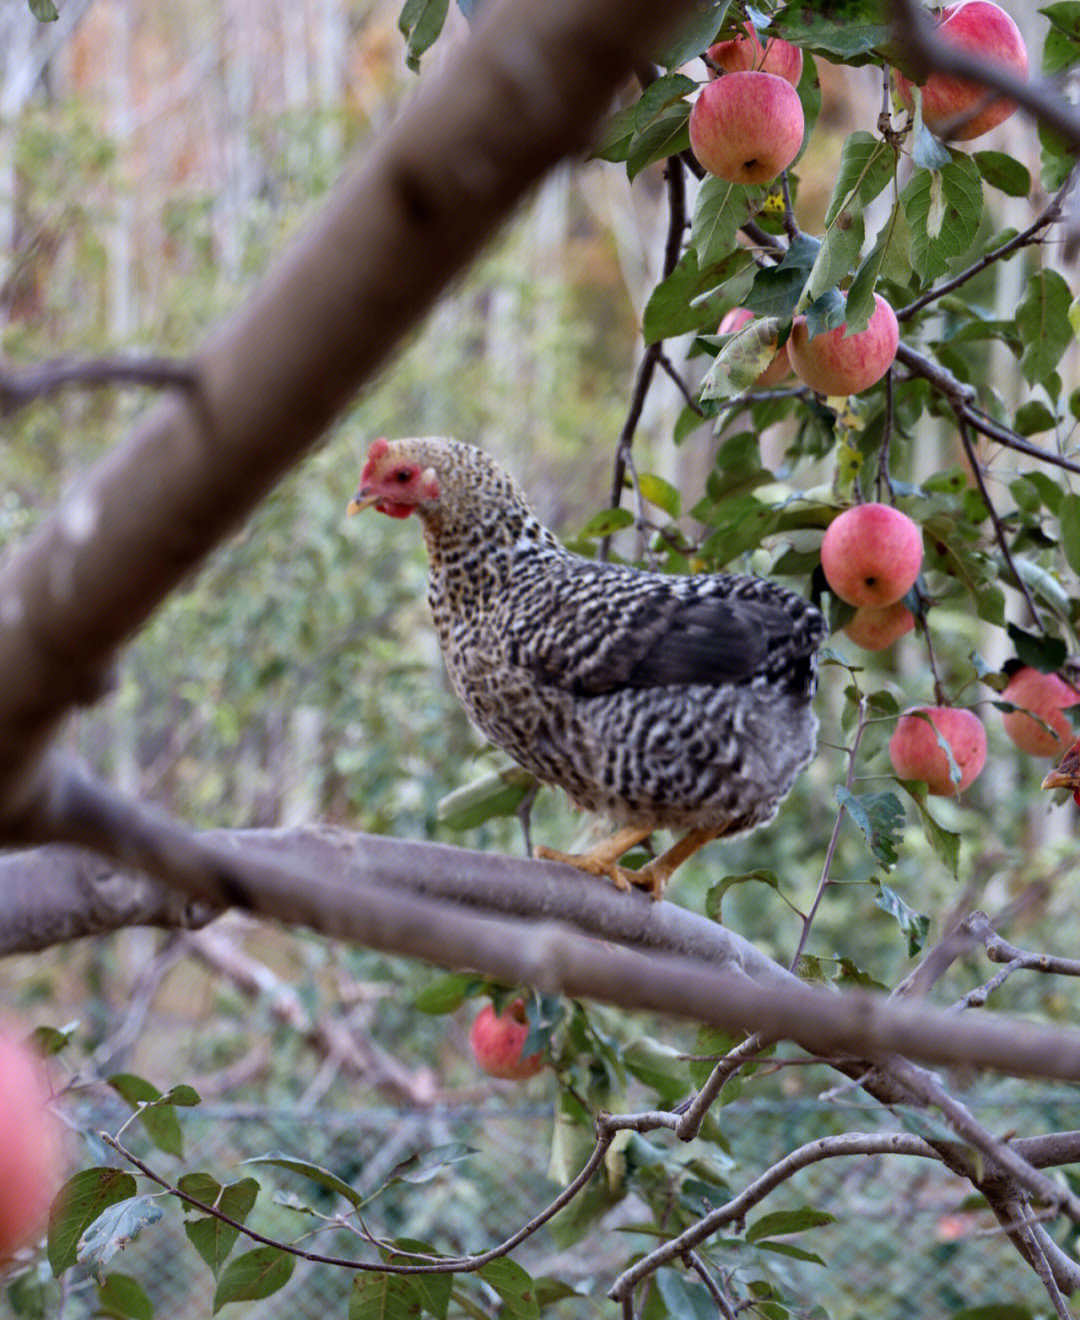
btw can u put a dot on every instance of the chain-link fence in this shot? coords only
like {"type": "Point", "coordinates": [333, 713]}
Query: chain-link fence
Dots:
{"type": "Point", "coordinates": [904, 1241]}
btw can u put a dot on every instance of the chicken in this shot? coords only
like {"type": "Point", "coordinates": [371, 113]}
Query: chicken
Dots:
{"type": "Point", "coordinates": [658, 701]}
{"type": "Point", "coordinates": [1067, 774]}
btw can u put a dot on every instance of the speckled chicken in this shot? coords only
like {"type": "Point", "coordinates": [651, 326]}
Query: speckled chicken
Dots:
{"type": "Point", "coordinates": [659, 701]}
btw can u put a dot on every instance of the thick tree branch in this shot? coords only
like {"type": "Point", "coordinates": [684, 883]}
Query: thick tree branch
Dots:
{"type": "Point", "coordinates": [543, 953]}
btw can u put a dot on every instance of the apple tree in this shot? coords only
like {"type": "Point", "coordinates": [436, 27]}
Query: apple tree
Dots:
{"type": "Point", "coordinates": [867, 420]}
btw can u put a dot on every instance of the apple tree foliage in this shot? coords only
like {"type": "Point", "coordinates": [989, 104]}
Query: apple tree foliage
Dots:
{"type": "Point", "coordinates": [913, 219]}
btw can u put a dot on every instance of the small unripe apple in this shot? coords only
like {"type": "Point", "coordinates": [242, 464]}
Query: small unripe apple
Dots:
{"type": "Point", "coordinates": [744, 53]}
{"type": "Point", "coordinates": [31, 1146]}
{"type": "Point", "coordinates": [746, 127]}
{"type": "Point", "coordinates": [876, 627]}
{"type": "Point", "coordinates": [497, 1040]}
{"type": "Point", "coordinates": [1044, 695]}
{"type": "Point", "coordinates": [871, 555]}
{"type": "Point", "coordinates": [777, 369]}
{"type": "Point", "coordinates": [835, 362]}
{"type": "Point", "coordinates": [984, 29]}
{"type": "Point", "coordinates": [915, 753]}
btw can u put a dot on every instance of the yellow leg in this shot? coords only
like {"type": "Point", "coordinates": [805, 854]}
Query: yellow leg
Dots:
{"type": "Point", "coordinates": [603, 859]}
{"type": "Point", "coordinates": [655, 874]}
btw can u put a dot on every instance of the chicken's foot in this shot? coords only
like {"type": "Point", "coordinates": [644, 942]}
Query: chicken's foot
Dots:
{"type": "Point", "coordinates": [653, 876]}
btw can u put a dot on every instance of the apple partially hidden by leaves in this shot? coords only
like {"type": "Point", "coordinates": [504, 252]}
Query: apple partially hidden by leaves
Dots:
{"type": "Point", "coordinates": [747, 53]}
{"type": "Point", "coordinates": [31, 1146]}
{"type": "Point", "coordinates": [871, 555]}
{"type": "Point", "coordinates": [915, 752]}
{"type": "Point", "coordinates": [835, 362]}
{"type": "Point", "coordinates": [497, 1039]}
{"type": "Point", "coordinates": [746, 127]}
{"type": "Point", "coordinates": [955, 107]}
{"type": "Point", "coordinates": [780, 366]}
{"type": "Point", "coordinates": [1045, 695]}
{"type": "Point", "coordinates": [874, 627]}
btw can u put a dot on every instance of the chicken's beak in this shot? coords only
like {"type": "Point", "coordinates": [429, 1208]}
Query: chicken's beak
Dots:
{"type": "Point", "coordinates": [1060, 778]}
{"type": "Point", "coordinates": [360, 501]}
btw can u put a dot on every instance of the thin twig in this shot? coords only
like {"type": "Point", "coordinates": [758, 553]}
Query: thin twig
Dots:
{"type": "Point", "coordinates": [999, 531]}
{"type": "Point", "coordinates": [20, 386]}
{"type": "Point", "coordinates": [446, 1265]}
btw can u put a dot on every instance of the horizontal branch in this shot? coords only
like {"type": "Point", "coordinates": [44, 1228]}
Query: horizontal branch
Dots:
{"type": "Point", "coordinates": [541, 952]}
{"type": "Point", "coordinates": [20, 386]}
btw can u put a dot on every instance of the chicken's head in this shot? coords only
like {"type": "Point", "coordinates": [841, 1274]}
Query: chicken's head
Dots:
{"type": "Point", "coordinates": [1067, 774]}
{"type": "Point", "coordinates": [394, 480]}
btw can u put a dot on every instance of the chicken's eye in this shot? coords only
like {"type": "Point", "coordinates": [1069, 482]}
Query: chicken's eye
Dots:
{"type": "Point", "coordinates": [402, 475]}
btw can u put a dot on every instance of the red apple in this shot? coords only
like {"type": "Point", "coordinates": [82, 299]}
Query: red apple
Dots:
{"type": "Point", "coordinates": [915, 753]}
{"type": "Point", "coordinates": [984, 29]}
{"type": "Point", "coordinates": [743, 53]}
{"type": "Point", "coordinates": [876, 627]}
{"type": "Point", "coordinates": [835, 362]}
{"type": "Point", "coordinates": [31, 1146]}
{"type": "Point", "coordinates": [777, 369]}
{"type": "Point", "coordinates": [747, 127]}
{"type": "Point", "coordinates": [871, 554]}
{"type": "Point", "coordinates": [496, 1042]}
{"type": "Point", "coordinates": [1044, 695]}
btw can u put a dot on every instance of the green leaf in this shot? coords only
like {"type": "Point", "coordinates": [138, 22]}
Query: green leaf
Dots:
{"type": "Point", "coordinates": [658, 1066]}
{"type": "Point", "coordinates": [945, 843]}
{"type": "Point", "coordinates": [44, 11]}
{"type": "Point", "coordinates": [719, 211]}
{"type": "Point", "coordinates": [432, 1291]}
{"type": "Point", "coordinates": [255, 1275]}
{"type": "Point", "coordinates": [615, 135]}
{"type": "Point", "coordinates": [927, 151]}
{"type": "Point", "coordinates": [607, 521]}
{"type": "Point", "coordinates": [121, 1298]}
{"type": "Point", "coordinates": [839, 250]}
{"type": "Point", "coordinates": [212, 1238]}
{"type": "Point", "coordinates": [661, 493]}
{"type": "Point", "coordinates": [1042, 321]}
{"type": "Point", "coordinates": [395, 1296]}
{"type": "Point", "coordinates": [742, 359]}
{"type": "Point", "coordinates": [715, 897]}
{"type": "Point", "coordinates": [115, 1228]}
{"type": "Point", "coordinates": [1047, 654]}
{"type": "Point", "coordinates": [420, 23]}
{"type": "Point", "coordinates": [944, 208]}
{"type": "Point", "coordinates": [155, 1110]}
{"type": "Point", "coordinates": [81, 1200]}
{"type": "Point", "coordinates": [49, 1041]}
{"type": "Point", "coordinates": [881, 818]}
{"type": "Point", "coordinates": [690, 299]}
{"type": "Point", "coordinates": [1033, 418]}
{"type": "Point", "coordinates": [1070, 530]}
{"type": "Point", "coordinates": [514, 1286]}
{"type": "Point", "coordinates": [667, 135]}
{"type": "Point", "coordinates": [850, 29]}
{"type": "Point", "coordinates": [499, 793]}
{"type": "Point", "coordinates": [426, 1164]}
{"type": "Point", "coordinates": [776, 290]}
{"type": "Point", "coordinates": [780, 1222]}
{"type": "Point", "coordinates": [866, 168]}
{"type": "Point", "coordinates": [1003, 173]}
{"type": "Point", "coordinates": [445, 994]}
{"type": "Point", "coordinates": [914, 925]}
{"type": "Point", "coordinates": [315, 1172]}
{"type": "Point", "coordinates": [694, 35]}
{"type": "Point", "coordinates": [790, 1249]}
